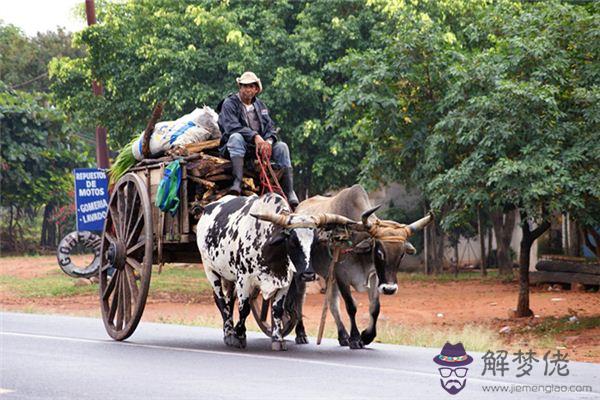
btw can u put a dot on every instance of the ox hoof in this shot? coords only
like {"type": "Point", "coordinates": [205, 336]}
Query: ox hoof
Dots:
{"type": "Point", "coordinates": [367, 337]}
{"type": "Point", "coordinates": [343, 339]}
{"type": "Point", "coordinates": [278, 346]}
{"type": "Point", "coordinates": [356, 344]}
{"type": "Point", "coordinates": [234, 341]}
{"type": "Point", "coordinates": [301, 339]}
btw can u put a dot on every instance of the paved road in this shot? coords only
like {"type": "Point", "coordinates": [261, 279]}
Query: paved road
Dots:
{"type": "Point", "coordinates": [56, 357]}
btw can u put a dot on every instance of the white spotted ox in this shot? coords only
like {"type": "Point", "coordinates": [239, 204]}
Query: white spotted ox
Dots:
{"type": "Point", "coordinates": [256, 243]}
{"type": "Point", "coordinates": [371, 265]}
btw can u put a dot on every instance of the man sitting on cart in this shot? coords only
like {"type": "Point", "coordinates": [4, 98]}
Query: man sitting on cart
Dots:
{"type": "Point", "coordinates": [246, 125]}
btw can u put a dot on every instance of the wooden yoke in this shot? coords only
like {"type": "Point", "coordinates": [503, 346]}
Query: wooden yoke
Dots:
{"type": "Point", "coordinates": [329, 287]}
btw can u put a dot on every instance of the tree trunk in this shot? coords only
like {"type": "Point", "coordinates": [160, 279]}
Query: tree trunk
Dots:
{"type": "Point", "coordinates": [482, 257]}
{"type": "Point", "coordinates": [434, 251]}
{"type": "Point", "coordinates": [504, 224]}
{"type": "Point", "coordinates": [431, 249]}
{"type": "Point", "coordinates": [455, 247]}
{"type": "Point", "coordinates": [575, 239]}
{"type": "Point", "coordinates": [46, 226]}
{"type": "Point", "coordinates": [426, 260]}
{"type": "Point", "coordinates": [17, 231]}
{"type": "Point", "coordinates": [11, 232]}
{"type": "Point", "coordinates": [439, 250]}
{"type": "Point", "coordinates": [529, 237]}
{"type": "Point", "coordinates": [489, 247]}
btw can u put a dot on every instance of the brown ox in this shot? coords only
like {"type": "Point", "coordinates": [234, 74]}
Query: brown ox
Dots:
{"type": "Point", "coordinates": [371, 265]}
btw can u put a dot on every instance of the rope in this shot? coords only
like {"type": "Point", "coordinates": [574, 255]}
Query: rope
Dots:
{"type": "Point", "coordinates": [266, 175]}
{"type": "Point", "coordinates": [330, 282]}
{"type": "Point", "coordinates": [389, 231]}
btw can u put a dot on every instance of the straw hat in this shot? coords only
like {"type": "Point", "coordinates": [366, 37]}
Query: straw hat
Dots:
{"type": "Point", "coordinates": [248, 78]}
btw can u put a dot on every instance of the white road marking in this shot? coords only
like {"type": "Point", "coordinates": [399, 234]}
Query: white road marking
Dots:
{"type": "Point", "coordinates": [264, 357]}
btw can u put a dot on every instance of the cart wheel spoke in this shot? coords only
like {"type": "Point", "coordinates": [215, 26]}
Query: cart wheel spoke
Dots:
{"type": "Point", "coordinates": [115, 298]}
{"type": "Point", "coordinates": [111, 285]}
{"type": "Point", "coordinates": [264, 309]}
{"type": "Point", "coordinates": [116, 224]}
{"type": "Point", "coordinates": [137, 229]}
{"type": "Point", "coordinates": [120, 303]}
{"type": "Point", "coordinates": [126, 297]}
{"type": "Point", "coordinates": [135, 247]}
{"type": "Point", "coordinates": [132, 282]}
{"type": "Point", "coordinates": [134, 264]}
{"type": "Point", "coordinates": [132, 212]}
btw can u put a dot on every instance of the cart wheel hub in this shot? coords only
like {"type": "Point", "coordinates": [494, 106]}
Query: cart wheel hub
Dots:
{"type": "Point", "coordinates": [117, 255]}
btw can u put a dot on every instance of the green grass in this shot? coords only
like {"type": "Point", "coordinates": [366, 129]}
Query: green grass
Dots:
{"type": "Point", "coordinates": [475, 338]}
{"type": "Point", "coordinates": [177, 281]}
{"type": "Point", "coordinates": [180, 280]}
{"type": "Point", "coordinates": [554, 326]}
{"type": "Point", "coordinates": [54, 284]}
{"type": "Point", "coordinates": [492, 276]}
{"type": "Point", "coordinates": [211, 321]}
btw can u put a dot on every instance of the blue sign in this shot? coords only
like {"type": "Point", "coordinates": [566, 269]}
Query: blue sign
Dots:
{"type": "Point", "coordinates": [91, 198]}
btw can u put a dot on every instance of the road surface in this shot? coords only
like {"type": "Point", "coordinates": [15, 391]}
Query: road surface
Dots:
{"type": "Point", "coordinates": [58, 357]}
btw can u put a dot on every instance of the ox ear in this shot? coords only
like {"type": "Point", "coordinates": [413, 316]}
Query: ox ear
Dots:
{"type": "Point", "coordinates": [364, 246]}
{"type": "Point", "coordinates": [409, 248]}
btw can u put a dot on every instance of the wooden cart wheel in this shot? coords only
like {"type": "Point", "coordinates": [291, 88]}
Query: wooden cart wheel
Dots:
{"type": "Point", "coordinates": [261, 310]}
{"type": "Point", "coordinates": [127, 245]}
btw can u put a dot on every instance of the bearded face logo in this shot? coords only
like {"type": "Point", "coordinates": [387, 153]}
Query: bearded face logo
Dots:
{"type": "Point", "coordinates": [453, 373]}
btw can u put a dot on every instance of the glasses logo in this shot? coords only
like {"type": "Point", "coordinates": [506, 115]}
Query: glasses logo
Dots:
{"type": "Point", "coordinates": [453, 374]}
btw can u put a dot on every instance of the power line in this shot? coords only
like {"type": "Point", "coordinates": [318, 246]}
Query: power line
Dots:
{"type": "Point", "coordinates": [37, 78]}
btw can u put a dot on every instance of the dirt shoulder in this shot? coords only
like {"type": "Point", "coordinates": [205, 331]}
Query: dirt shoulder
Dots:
{"type": "Point", "coordinates": [434, 308]}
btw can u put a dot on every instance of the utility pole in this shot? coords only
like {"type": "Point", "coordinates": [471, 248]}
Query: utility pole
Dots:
{"type": "Point", "coordinates": [101, 147]}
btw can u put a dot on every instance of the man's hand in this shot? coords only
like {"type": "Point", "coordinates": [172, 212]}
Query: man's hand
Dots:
{"type": "Point", "coordinates": [263, 147]}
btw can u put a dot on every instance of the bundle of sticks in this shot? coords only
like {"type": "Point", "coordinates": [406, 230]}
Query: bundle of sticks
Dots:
{"type": "Point", "coordinates": [211, 173]}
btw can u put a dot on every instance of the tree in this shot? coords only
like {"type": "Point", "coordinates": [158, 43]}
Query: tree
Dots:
{"type": "Point", "coordinates": [189, 53]}
{"type": "Point", "coordinates": [522, 135]}
{"type": "Point", "coordinates": [37, 155]}
{"type": "Point", "coordinates": [391, 101]}
{"type": "Point", "coordinates": [24, 60]}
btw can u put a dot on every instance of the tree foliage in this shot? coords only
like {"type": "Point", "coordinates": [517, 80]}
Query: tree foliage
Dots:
{"type": "Point", "coordinates": [189, 53]}
{"type": "Point", "coordinates": [37, 155]}
{"type": "Point", "coordinates": [24, 60]}
{"type": "Point", "coordinates": [483, 105]}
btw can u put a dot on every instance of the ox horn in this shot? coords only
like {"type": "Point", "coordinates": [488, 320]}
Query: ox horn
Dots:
{"type": "Point", "coordinates": [420, 224]}
{"type": "Point", "coordinates": [277, 219]}
{"type": "Point", "coordinates": [365, 216]}
{"type": "Point", "coordinates": [329, 219]}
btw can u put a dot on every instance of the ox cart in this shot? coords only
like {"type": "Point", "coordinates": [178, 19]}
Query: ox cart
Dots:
{"type": "Point", "coordinates": [138, 236]}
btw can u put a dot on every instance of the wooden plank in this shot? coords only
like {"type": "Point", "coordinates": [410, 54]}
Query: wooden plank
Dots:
{"type": "Point", "coordinates": [564, 266]}
{"type": "Point", "coordinates": [220, 177]}
{"type": "Point", "coordinates": [203, 182]}
{"type": "Point", "coordinates": [198, 147]}
{"type": "Point", "coordinates": [563, 277]}
{"type": "Point", "coordinates": [183, 204]}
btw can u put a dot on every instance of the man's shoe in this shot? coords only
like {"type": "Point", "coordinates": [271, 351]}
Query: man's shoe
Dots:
{"type": "Point", "coordinates": [287, 184]}
{"type": "Point", "coordinates": [237, 165]}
